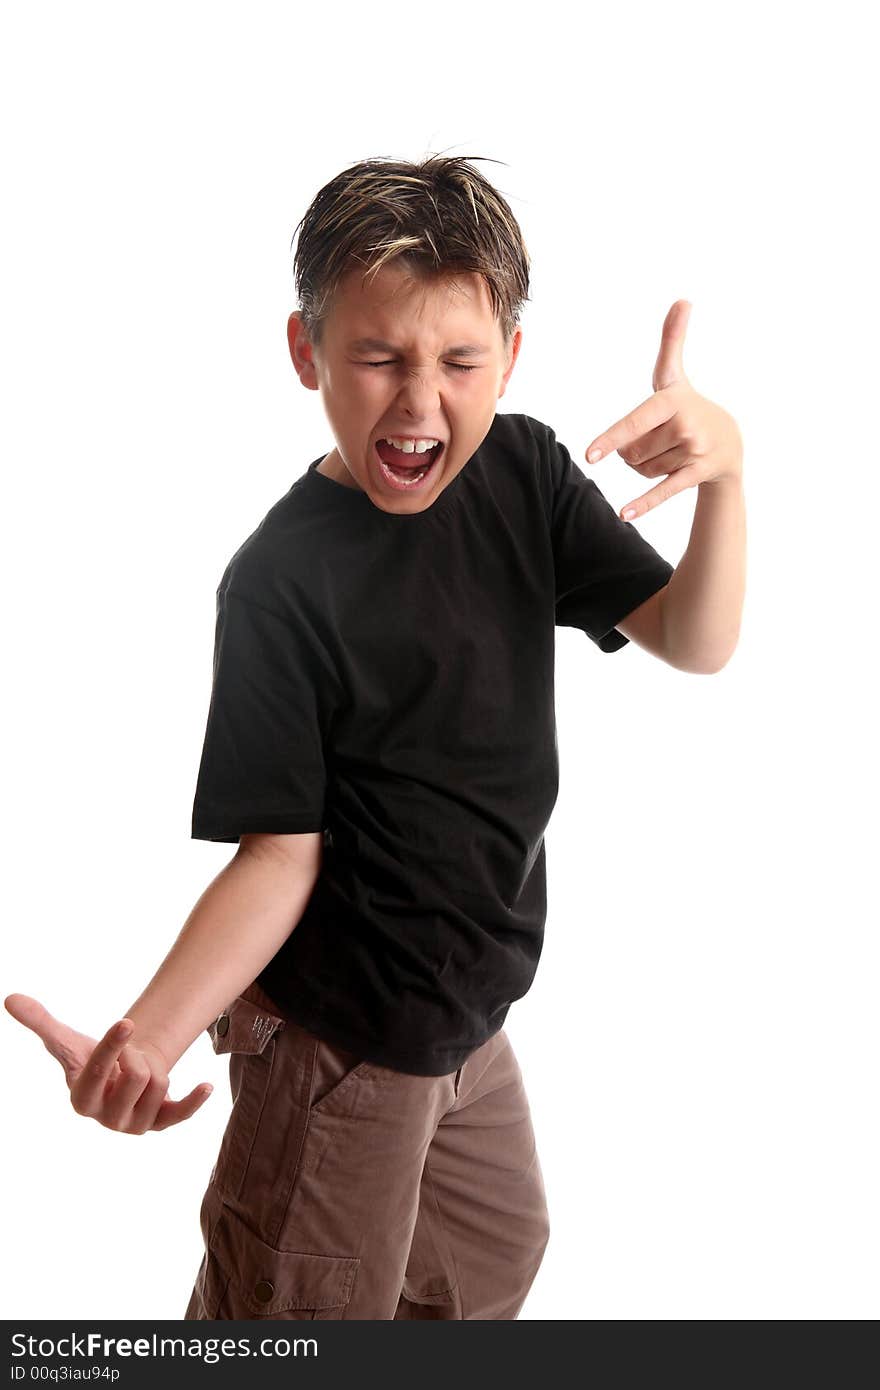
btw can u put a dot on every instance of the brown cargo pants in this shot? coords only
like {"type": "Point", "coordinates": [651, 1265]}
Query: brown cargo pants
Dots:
{"type": "Point", "coordinates": [345, 1189]}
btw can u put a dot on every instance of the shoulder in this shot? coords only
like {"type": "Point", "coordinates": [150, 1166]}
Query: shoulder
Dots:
{"type": "Point", "coordinates": [531, 442]}
{"type": "Point", "coordinates": [531, 452]}
{"type": "Point", "coordinates": [274, 560]}
{"type": "Point", "coordinates": [522, 434]}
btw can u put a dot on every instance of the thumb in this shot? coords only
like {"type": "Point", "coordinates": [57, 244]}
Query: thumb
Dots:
{"type": "Point", "coordinates": [669, 367]}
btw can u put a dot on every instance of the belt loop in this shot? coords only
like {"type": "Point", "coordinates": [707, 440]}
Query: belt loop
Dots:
{"type": "Point", "coordinates": [457, 1080]}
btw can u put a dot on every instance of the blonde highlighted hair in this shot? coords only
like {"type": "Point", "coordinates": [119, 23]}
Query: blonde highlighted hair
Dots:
{"type": "Point", "coordinates": [433, 218]}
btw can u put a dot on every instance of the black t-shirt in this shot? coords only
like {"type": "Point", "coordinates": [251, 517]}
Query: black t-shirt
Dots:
{"type": "Point", "coordinates": [389, 680]}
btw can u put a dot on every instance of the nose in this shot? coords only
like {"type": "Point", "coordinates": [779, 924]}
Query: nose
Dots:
{"type": "Point", "coordinates": [419, 393]}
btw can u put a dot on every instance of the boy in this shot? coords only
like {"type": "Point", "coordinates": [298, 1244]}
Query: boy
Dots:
{"type": "Point", "coordinates": [381, 748]}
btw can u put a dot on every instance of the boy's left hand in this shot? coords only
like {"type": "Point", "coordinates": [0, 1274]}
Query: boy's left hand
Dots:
{"type": "Point", "coordinates": [675, 432]}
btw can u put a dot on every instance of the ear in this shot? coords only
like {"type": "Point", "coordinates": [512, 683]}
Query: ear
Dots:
{"type": "Point", "coordinates": [515, 344]}
{"type": "Point", "coordinates": [301, 352]}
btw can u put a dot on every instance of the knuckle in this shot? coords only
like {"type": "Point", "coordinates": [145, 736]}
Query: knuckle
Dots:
{"type": "Point", "coordinates": [135, 1076]}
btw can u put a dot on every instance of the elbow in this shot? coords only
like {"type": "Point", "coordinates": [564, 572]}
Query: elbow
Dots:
{"type": "Point", "coordinates": [697, 665]}
{"type": "Point", "coordinates": [705, 661]}
{"type": "Point", "coordinates": [711, 668]}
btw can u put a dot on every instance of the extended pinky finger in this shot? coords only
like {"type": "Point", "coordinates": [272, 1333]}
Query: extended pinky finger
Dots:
{"type": "Point", "coordinates": [171, 1112]}
{"type": "Point", "coordinates": [676, 482]}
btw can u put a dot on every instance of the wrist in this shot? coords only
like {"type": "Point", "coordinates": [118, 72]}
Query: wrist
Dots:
{"type": "Point", "coordinates": [154, 1052]}
{"type": "Point", "coordinates": [725, 482]}
{"type": "Point", "coordinates": [153, 1041]}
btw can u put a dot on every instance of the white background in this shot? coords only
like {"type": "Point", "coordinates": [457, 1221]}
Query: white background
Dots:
{"type": "Point", "coordinates": [700, 1043]}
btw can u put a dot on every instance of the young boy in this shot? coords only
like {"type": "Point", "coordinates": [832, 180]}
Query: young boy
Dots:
{"type": "Point", "coordinates": [381, 748]}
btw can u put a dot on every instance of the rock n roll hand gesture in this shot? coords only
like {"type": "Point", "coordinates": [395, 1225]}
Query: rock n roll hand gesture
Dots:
{"type": "Point", "coordinates": [675, 432]}
{"type": "Point", "coordinates": [123, 1086]}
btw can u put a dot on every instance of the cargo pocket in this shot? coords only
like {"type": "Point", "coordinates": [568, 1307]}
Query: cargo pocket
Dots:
{"type": "Point", "coordinates": [248, 1033]}
{"type": "Point", "coordinates": [246, 1278]}
{"type": "Point", "coordinates": [334, 1070]}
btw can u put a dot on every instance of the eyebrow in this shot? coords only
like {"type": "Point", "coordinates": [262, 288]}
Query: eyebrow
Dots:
{"type": "Point", "coordinates": [378, 345]}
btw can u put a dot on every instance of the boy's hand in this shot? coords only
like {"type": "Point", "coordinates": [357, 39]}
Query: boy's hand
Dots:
{"type": "Point", "coordinates": [123, 1086]}
{"type": "Point", "coordinates": [674, 432]}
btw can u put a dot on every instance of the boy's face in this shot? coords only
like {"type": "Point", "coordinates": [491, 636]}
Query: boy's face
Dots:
{"type": "Point", "coordinates": [418, 392]}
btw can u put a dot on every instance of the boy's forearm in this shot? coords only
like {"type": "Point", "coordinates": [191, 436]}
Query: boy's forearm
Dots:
{"type": "Point", "coordinates": [703, 601]}
{"type": "Point", "coordinates": [234, 930]}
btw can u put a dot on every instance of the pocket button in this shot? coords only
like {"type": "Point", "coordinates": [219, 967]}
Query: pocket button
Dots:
{"type": "Point", "coordinates": [264, 1291]}
{"type": "Point", "coordinates": [222, 1025]}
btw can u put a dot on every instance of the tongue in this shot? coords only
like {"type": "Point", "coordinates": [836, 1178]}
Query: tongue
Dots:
{"type": "Point", "coordinates": [401, 461]}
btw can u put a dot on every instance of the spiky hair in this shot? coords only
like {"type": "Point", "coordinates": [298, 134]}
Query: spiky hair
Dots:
{"type": "Point", "coordinates": [437, 217]}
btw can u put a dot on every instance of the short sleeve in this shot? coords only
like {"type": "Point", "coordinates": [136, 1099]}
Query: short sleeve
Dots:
{"type": "Point", "coordinates": [604, 567]}
{"type": "Point", "coordinates": [262, 764]}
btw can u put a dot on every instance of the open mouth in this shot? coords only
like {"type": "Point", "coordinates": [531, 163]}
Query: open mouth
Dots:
{"type": "Point", "coordinates": [406, 472]}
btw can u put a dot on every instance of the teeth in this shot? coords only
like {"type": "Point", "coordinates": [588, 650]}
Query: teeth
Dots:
{"type": "Point", "coordinates": [407, 480]}
{"type": "Point", "coordinates": [412, 446]}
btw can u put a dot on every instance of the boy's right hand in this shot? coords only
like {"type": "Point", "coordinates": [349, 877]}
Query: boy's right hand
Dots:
{"type": "Point", "coordinates": [122, 1085]}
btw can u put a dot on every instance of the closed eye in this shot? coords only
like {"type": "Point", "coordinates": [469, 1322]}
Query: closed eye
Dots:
{"type": "Point", "coordinates": [459, 367]}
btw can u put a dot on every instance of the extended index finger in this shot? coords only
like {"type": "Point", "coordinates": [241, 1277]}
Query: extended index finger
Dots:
{"type": "Point", "coordinates": [88, 1088]}
{"type": "Point", "coordinates": [55, 1036]}
{"type": "Point", "coordinates": [654, 411]}
{"type": "Point", "coordinates": [31, 1013]}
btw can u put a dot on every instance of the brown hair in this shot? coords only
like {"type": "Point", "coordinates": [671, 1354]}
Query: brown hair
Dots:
{"type": "Point", "coordinates": [437, 217]}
